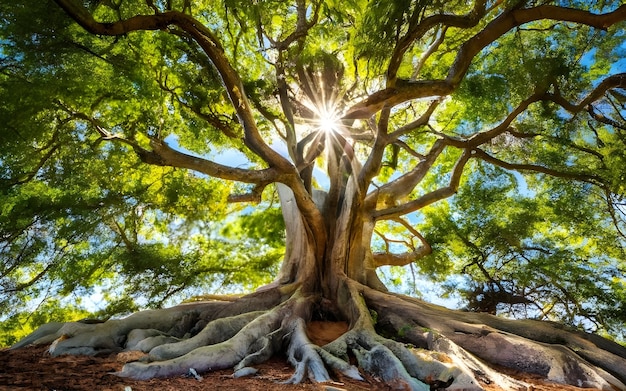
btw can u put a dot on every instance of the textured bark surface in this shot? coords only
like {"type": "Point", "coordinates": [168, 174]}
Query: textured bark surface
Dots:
{"type": "Point", "coordinates": [33, 369]}
{"type": "Point", "coordinates": [406, 343]}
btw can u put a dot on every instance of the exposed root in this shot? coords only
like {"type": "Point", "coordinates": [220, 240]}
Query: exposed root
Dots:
{"type": "Point", "coordinates": [381, 361]}
{"type": "Point", "coordinates": [339, 365]}
{"type": "Point", "coordinates": [302, 354]}
{"type": "Point", "coordinates": [247, 344]}
{"type": "Point", "coordinates": [535, 347]}
{"type": "Point", "coordinates": [44, 335]}
{"type": "Point", "coordinates": [451, 350]}
{"type": "Point", "coordinates": [216, 331]}
{"type": "Point", "coordinates": [145, 340]}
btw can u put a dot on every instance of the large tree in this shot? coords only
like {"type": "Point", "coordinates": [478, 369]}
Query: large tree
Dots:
{"type": "Point", "coordinates": [483, 139]}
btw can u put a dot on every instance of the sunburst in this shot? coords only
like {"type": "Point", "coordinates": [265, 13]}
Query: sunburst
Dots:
{"type": "Point", "coordinates": [327, 117]}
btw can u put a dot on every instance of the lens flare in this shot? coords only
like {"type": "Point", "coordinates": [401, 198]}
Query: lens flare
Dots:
{"type": "Point", "coordinates": [328, 120]}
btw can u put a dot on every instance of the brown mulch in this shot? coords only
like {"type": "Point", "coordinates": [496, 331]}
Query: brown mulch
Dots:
{"type": "Point", "coordinates": [32, 368]}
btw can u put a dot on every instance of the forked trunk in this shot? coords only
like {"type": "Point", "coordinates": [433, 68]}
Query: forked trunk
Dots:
{"type": "Point", "coordinates": [347, 246]}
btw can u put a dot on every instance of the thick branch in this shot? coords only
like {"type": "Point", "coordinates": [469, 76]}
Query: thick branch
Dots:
{"type": "Point", "coordinates": [167, 156]}
{"type": "Point", "coordinates": [483, 137]}
{"type": "Point", "coordinates": [253, 196]}
{"type": "Point", "coordinates": [389, 259]}
{"type": "Point", "coordinates": [431, 197]}
{"type": "Point", "coordinates": [420, 89]}
{"type": "Point", "coordinates": [211, 46]}
{"type": "Point", "coordinates": [280, 168]}
{"type": "Point", "coordinates": [392, 96]}
{"type": "Point", "coordinates": [403, 185]}
{"type": "Point", "coordinates": [518, 17]}
{"type": "Point", "coordinates": [614, 81]}
{"type": "Point", "coordinates": [418, 30]}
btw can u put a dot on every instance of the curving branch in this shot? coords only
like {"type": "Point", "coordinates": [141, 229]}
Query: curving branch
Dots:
{"type": "Point", "coordinates": [401, 93]}
{"type": "Point", "coordinates": [483, 137]}
{"type": "Point", "coordinates": [280, 170]}
{"type": "Point", "coordinates": [604, 119]}
{"type": "Point", "coordinates": [611, 82]}
{"type": "Point", "coordinates": [162, 154]}
{"type": "Point", "coordinates": [431, 197]}
{"type": "Point", "coordinates": [568, 143]}
{"type": "Point", "coordinates": [374, 161]}
{"type": "Point", "coordinates": [588, 178]}
{"type": "Point", "coordinates": [420, 28]}
{"type": "Point", "coordinates": [395, 95]}
{"type": "Point", "coordinates": [403, 185]}
{"type": "Point", "coordinates": [209, 44]}
{"type": "Point", "coordinates": [428, 52]}
{"type": "Point", "coordinates": [390, 259]}
{"type": "Point", "coordinates": [421, 121]}
{"type": "Point", "coordinates": [519, 16]}
{"type": "Point", "coordinates": [303, 25]}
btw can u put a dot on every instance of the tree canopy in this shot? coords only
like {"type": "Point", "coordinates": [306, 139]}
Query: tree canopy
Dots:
{"type": "Point", "coordinates": [149, 150]}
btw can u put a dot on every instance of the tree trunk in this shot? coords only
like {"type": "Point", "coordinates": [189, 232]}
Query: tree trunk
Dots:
{"type": "Point", "coordinates": [406, 342]}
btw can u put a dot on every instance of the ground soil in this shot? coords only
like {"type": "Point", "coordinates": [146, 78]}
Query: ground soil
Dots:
{"type": "Point", "coordinates": [32, 368]}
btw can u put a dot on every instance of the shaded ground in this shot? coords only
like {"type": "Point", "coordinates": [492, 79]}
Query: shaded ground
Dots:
{"type": "Point", "coordinates": [33, 369]}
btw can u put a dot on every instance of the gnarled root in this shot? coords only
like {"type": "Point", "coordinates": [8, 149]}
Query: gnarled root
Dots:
{"type": "Point", "coordinates": [252, 341]}
{"type": "Point", "coordinates": [107, 337]}
{"type": "Point", "coordinates": [393, 362]}
{"type": "Point", "coordinates": [216, 331]}
{"type": "Point", "coordinates": [451, 349]}
{"type": "Point", "coordinates": [556, 354]}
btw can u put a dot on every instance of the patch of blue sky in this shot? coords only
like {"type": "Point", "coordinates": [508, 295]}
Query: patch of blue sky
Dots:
{"type": "Point", "coordinates": [230, 157]}
{"type": "Point", "coordinates": [404, 280]}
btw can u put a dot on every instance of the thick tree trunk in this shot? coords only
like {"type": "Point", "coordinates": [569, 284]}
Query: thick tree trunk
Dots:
{"type": "Point", "coordinates": [406, 342]}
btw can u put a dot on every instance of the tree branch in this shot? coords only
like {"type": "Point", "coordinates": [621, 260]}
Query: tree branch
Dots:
{"type": "Point", "coordinates": [209, 44]}
{"type": "Point", "coordinates": [421, 121]}
{"type": "Point", "coordinates": [403, 185]}
{"type": "Point", "coordinates": [518, 17]}
{"type": "Point", "coordinates": [480, 154]}
{"type": "Point", "coordinates": [253, 196]}
{"type": "Point", "coordinates": [613, 81]}
{"type": "Point", "coordinates": [392, 96]}
{"type": "Point", "coordinates": [557, 140]}
{"type": "Point", "coordinates": [418, 30]}
{"type": "Point", "coordinates": [431, 197]}
{"type": "Point", "coordinates": [302, 25]}
{"type": "Point", "coordinates": [389, 259]}
{"type": "Point", "coordinates": [395, 95]}
{"type": "Point", "coordinates": [431, 49]}
{"type": "Point", "coordinates": [165, 155]}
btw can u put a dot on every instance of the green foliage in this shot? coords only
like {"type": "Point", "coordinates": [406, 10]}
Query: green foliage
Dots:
{"type": "Point", "coordinates": [528, 251]}
{"type": "Point", "coordinates": [20, 324]}
{"type": "Point", "coordinates": [80, 217]}
{"type": "Point", "coordinates": [537, 230]}
{"type": "Point", "coordinates": [382, 25]}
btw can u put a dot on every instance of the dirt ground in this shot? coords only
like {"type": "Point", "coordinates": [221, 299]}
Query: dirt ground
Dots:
{"type": "Point", "coordinates": [32, 368]}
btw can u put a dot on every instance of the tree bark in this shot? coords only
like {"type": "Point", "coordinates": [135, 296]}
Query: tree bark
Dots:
{"type": "Point", "coordinates": [328, 271]}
